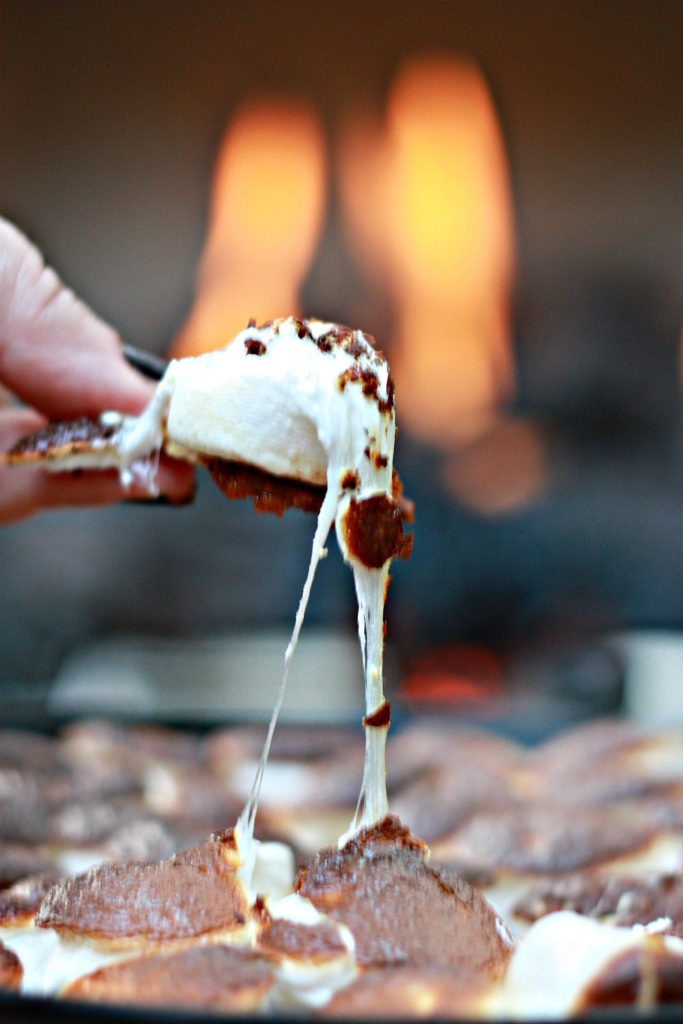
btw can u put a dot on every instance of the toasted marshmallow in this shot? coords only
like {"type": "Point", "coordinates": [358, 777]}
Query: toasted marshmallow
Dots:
{"type": "Point", "coordinates": [567, 963]}
{"type": "Point", "coordinates": [295, 398]}
{"type": "Point", "coordinates": [313, 955]}
{"type": "Point", "coordinates": [291, 398]}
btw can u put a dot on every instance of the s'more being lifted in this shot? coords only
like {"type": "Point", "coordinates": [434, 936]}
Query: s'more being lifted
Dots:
{"type": "Point", "coordinates": [292, 412]}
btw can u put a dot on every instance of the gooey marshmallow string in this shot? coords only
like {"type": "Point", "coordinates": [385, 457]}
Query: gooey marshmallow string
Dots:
{"type": "Point", "coordinates": [293, 398]}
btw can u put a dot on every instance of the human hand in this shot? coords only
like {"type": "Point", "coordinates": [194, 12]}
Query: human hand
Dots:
{"type": "Point", "coordinates": [62, 362]}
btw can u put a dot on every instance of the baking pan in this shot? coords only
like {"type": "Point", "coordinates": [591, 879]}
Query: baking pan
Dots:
{"type": "Point", "coordinates": [39, 1010]}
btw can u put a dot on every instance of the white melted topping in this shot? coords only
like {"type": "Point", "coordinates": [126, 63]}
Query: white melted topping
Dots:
{"type": "Point", "coordinates": [50, 961]}
{"type": "Point", "coordinates": [35, 948]}
{"type": "Point", "coordinates": [273, 870]}
{"type": "Point", "coordinates": [559, 958]}
{"type": "Point", "coordinates": [308, 984]}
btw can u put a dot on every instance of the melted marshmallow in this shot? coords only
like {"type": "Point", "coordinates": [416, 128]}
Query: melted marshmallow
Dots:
{"type": "Point", "coordinates": [283, 410]}
{"type": "Point", "coordinates": [308, 984]}
{"type": "Point", "coordinates": [562, 955]}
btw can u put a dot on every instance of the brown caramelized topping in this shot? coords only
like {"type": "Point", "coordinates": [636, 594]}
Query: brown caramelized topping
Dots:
{"type": "Point", "coordinates": [370, 384]}
{"type": "Point", "coordinates": [308, 942]}
{"type": "Point", "coordinates": [551, 838]}
{"type": "Point", "coordinates": [120, 901]}
{"type": "Point", "coordinates": [379, 718]}
{"type": "Point", "coordinates": [401, 909]}
{"type": "Point", "coordinates": [325, 343]}
{"type": "Point", "coordinates": [72, 435]}
{"type": "Point", "coordinates": [372, 540]}
{"type": "Point", "coordinates": [302, 329]}
{"type": "Point", "coordinates": [254, 346]}
{"type": "Point", "coordinates": [213, 977]}
{"type": "Point", "coordinates": [352, 345]}
{"type": "Point", "coordinates": [624, 901]}
{"type": "Point", "coordinates": [269, 493]}
{"type": "Point", "coordinates": [350, 481]}
{"type": "Point", "coordinates": [374, 531]}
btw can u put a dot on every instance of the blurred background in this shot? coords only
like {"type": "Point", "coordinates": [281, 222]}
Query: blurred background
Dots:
{"type": "Point", "coordinates": [493, 190]}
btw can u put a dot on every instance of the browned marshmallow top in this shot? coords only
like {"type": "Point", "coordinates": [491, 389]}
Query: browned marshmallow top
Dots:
{"type": "Point", "coordinates": [281, 939]}
{"type": "Point", "coordinates": [195, 892]}
{"type": "Point", "coordinates": [399, 908]}
{"type": "Point", "coordinates": [552, 839]}
{"type": "Point", "coordinates": [619, 899]}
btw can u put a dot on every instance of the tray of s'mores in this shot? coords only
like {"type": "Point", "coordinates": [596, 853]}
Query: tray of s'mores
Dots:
{"type": "Point", "coordinates": [507, 882]}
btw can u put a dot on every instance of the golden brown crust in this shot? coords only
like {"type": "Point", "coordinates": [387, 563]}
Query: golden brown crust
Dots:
{"type": "Point", "coordinates": [407, 992]}
{"type": "Point", "coordinates": [599, 762]}
{"type": "Point", "coordinates": [237, 480]}
{"type": "Point", "coordinates": [275, 494]}
{"type": "Point", "coordinates": [127, 904]}
{"type": "Point", "coordinates": [440, 801]}
{"type": "Point", "coordinates": [318, 943]}
{"type": "Point", "coordinates": [59, 439]}
{"type": "Point", "coordinates": [210, 976]}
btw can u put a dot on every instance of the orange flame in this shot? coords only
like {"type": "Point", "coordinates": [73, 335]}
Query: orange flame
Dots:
{"type": "Point", "coordinates": [428, 200]}
{"type": "Point", "coordinates": [266, 212]}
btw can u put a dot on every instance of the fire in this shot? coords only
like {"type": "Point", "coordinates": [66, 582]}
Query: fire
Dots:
{"type": "Point", "coordinates": [427, 198]}
{"type": "Point", "coordinates": [266, 212]}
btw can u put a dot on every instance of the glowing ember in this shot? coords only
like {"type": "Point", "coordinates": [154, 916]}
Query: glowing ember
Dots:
{"type": "Point", "coordinates": [428, 199]}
